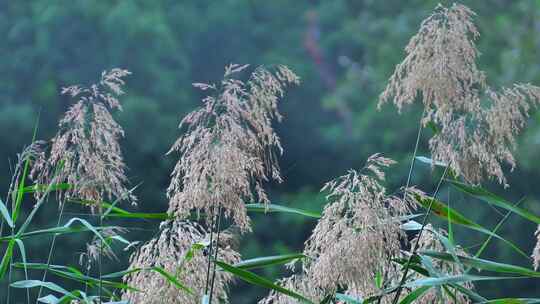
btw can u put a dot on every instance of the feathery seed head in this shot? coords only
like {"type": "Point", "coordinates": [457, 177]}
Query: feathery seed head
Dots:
{"type": "Point", "coordinates": [168, 250]}
{"type": "Point", "coordinates": [359, 231]}
{"type": "Point", "coordinates": [229, 146]}
{"type": "Point", "coordinates": [356, 237]}
{"type": "Point", "coordinates": [477, 125]}
{"type": "Point", "coordinates": [86, 148]}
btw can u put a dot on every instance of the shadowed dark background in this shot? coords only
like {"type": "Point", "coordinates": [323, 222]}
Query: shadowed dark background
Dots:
{"type": "Point", "coordinates": [344, 51]}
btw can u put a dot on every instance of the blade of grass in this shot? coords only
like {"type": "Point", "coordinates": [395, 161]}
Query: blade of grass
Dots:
{"type": "Point", "coordinates": [484, 264]}
{"type": "Point", "coordinates": [455, 279]}
{"type": "Point", "coordinates": [415, 294]}
{"type": "Point", "coordinates": [443, 211]}
{"type": "Point", "coordinates": [262, 262]}
{"type": "Point", "coordinates": [488, 197]}
{"type": "Point", "coordinates": [5, 214]}
{"type": "Point", "coordinates": [254, 279]}
{"type": "Point", "coordinates": [22, 250]}
{"type": "Point", "coordinates": [270, 208]}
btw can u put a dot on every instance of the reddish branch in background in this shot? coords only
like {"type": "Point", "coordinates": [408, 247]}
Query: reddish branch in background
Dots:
{"type": "Point", "coordinates": [328, 76]}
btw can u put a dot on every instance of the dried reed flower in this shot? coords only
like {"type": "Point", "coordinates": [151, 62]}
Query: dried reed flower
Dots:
{"type": "Point", "coordinates": [477, 125]}
{"type": "Point", "coordinates": [356, 238]}
{"type": "Point", "coordinates": [359, 231]}
{"type": "Point", "coordinates": [35, 154]}
{"type": "Point", "coordinates": [536, 251]}
{"type": "Point", "coordinates": [440, 64]}
{"type": "Point", "coordinates": [228, 149]}
{"type": "Point", "coordinates": [168, 250]}
{"type": "Point", "coordinates": [97, 248]}
{"type": "Point", "coordinates": [86, 149]}
{"type": "Point", "coordinates": [430, 241]}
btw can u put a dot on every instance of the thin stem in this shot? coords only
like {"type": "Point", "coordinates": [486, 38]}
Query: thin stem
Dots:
{"type": "Point", "coordinates": [15, 205]}
{"type": "Point", "coordinates": [207, 282]}
{"type": "Point", "coordinates": [215, 255]}
{"type": "Point", "coordinates": [51, 251]}
{"type": "Point", "coordinates": [9, 284]}
{"type": "Point", "coordinates": [413, 160]}
{"type": "Point", "coordinates": [87, 274]}
{"type": "Point", "coordinates": [100, 257]}
{"type": "Point", "coordinates": [415, 248]}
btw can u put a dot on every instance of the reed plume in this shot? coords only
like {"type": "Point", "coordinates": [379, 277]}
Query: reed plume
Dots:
{"type": "Point", "coordinates": [168, 250]}
{"type": "Point", "coordinates": [356, 238]}
{"type": "Point", "coordinates": [477, 124]}
{"type": "Point", "coordinates": [35, 154]}
{"type": "Point", "coordinates": [229, 146]}
{"type": "Point", "coordinates": [86, 149]}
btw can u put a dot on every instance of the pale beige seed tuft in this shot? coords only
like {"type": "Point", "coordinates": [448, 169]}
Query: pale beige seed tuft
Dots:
{"type": "Point", "coordinates": [86, 152]}
{"type": "Point", "coordinates": [356, 238]}
{"type": "Point", "coordinates": [229, 148]}
{"type": "Point", "coordinates": [168, 250]}
{"type": "Point", "coordinates": [33, 153]}
{"type": "Point", "coordinates": [477, 125]}
{"type": "Point", "coordinates": [358, 233]}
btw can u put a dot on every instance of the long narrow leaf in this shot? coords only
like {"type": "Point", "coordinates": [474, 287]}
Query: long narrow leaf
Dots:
{"type": "Point", "coordinates": [443, 211]}
{"type": "Point", "coordinates": [414, 295]}
{"type": "Point", "coordinates": [140, 215]}
{"type": "Point", "coordinates": [37, 283]}
{"type": "Point", "coordinates": [431, 162]}
{"type": "Point", "coordinates": [499, 224]}
{"type": "Point", "coordinates": [5, 214]}
{"type": "Point", "coordinates": [43, 188]}
{"type": "Point", "coordinates": [254, 279]}
{"type": "Point", "coordinates": [262, 262]}
{"type": "Point", "coordinates": [348, 299]}
{"type": "Point", "coordinates": [6, 260]}
{"type": "Point", "coordinates": [512, 301]}
{"type": "Point", "coordinates": [455, 279]}
{"type": "Point", "coordinates": [484, 264]}
{"type": "Point", "coordinates": [256, 207]}
{"type": "Point", "coordinates": [488, 197]}
{"type": "Point", "coordinates": [22, 250]}
{"type": "Point", "coordinates": [54, 230]}
{"type": "Point", "coordinates": [72, 273]}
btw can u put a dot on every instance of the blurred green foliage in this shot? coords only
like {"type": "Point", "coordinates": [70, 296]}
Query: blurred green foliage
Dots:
{"type": "Point", "coordinates": [344, 50]}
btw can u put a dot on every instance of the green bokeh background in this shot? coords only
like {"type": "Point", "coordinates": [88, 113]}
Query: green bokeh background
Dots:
{"type": "Point", "coordinates": [344, 51]}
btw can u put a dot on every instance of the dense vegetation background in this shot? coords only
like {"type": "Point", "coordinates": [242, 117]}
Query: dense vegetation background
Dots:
{"type": "Point", "coordinates": [343, 50]}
